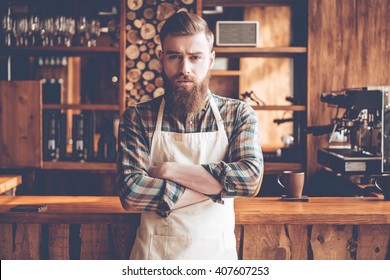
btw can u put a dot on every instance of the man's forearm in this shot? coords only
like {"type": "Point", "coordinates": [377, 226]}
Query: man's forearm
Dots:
{"type": "Point", "coordinates": [191, 176]}
{"type": "Point", "coordinates": [189, 197]}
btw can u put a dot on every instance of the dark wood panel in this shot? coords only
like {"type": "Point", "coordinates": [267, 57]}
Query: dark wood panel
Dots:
{"type": "Point", "coordinates": [297, 235]}
{"type": "Point", "coordinates": [27, 242]}
{"type": "Point", "coordinates": [262, 242]}
{"type": "Point", "coordinates": [123, 237]}
{"type": "Point", "coordinates": [58, 242]}
{"type": "Point", "coordinates": [348, 46]}
{"type": "Point", "coordinates": [373, 242]}
{"type": "Point", "coordinates": [94, 242]}
{"type": "Point", "coordinates": [329, 242]}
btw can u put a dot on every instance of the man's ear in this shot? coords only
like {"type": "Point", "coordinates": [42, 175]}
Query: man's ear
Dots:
{"type": "Point", "coordinates": [212, 59]}
{"type": "Point", "coordinates": [160, 55]}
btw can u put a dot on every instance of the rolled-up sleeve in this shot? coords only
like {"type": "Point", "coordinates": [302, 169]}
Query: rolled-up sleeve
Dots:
{"type": "Point", "coordinates": [135, 187]}
{"type": "Point", "coordinates": [241, 174]}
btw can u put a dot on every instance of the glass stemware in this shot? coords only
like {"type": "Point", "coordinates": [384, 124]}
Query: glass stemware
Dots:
{"type": "Point", "coordinates": [7, 26]}
{"type": "Point", "coordinates": [93, 32]}
{"type": "Point", "coordinates": [34, 30]}
{"type": "Point", "coordinates": [20, 32]}
{"type": "Point", "coordinates": [113, 31]}
{"type": "Point", "coordinates": [82, 29]}
{"type": "Point", "coordinates": [70, 30]}
{"type": "Point", "coordinates": [59, 30]}
{"type": "Point", "coordinates": [46, 31]}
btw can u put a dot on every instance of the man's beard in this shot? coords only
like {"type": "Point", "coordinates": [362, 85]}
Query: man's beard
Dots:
{"type": "Point", "coordinates": [181, 100]}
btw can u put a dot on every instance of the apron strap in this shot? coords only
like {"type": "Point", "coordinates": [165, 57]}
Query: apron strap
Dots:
{"type": "Point", "coordinates": [217, 115]}
{"type": "Point", "coordinates": [160, 115]}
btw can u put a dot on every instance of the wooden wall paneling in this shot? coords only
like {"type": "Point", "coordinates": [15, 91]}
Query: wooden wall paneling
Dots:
{"type": "Point", "coordinates": [6, 242]}
{"type": "Point", "coordinates": [331, 242]}
{"type": "Point", "coordinates": [20, 124]}
{"type": "Point", "coordinates": [271, 79]}
{"type": "Point", "coordinates": [94, 242]}
{"type": "Point", "coordinates": [348, 43]}
{"type": "Point", "coordinates": [263, 242]}
{"type": "Point", "coordinates": [58, 242]}
{"type": "Point", "coordinates": [374, 242]}
{"type": "Point", "coordinates": [123, 237]}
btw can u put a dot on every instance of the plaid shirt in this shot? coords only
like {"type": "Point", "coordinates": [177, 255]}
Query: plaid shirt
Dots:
{"type": "Point", "coordinates": [239, 173]}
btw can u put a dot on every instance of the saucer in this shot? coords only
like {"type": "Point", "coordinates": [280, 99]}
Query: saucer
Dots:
{"type": "Point", "coordinates": [303, 198]}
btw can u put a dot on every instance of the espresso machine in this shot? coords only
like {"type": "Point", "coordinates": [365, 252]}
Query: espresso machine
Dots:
{"type": "Point", "coordinates": [359, 143]}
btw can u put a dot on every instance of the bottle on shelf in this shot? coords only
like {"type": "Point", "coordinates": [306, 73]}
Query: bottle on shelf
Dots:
{"type": "Point", "coordinates": [83, 136]}
{"type": "Point", "coordinates": [107, 142]}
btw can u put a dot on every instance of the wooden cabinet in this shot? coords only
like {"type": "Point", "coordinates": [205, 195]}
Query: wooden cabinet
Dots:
{"type": "Point", "coordinates": [87, 64]}
{"type": "Point", "coordinates": [275, 70]}
{"type": "Point", "coordinates": [20, 124]}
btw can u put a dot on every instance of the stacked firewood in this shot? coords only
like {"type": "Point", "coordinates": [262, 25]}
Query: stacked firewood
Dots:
{"type": "Point", "coordinates": [144, 19]}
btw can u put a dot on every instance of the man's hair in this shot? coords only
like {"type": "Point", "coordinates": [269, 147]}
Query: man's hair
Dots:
{"type": "Point", "coordinates": [184, 23]}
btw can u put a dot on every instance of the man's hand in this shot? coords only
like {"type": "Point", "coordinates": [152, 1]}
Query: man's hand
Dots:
{"type": "Point", "coordinates": [158, 171]}
{"type": "Point", "coordinates": [189, 197]}
{"type": "Point", "coordinates": [192, 176]}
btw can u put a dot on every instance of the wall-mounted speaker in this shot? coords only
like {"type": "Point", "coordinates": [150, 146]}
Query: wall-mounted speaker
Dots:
{"type": "Point", "coordinates": [237, 33]}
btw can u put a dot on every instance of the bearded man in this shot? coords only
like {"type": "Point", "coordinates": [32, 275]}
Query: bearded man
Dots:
{"type": "Point", "coordinates": [184, 156]}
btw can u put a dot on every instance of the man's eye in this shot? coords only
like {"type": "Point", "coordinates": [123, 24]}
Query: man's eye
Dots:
{"type": "Point", "coordinates": [174, 57]}
{"type": "Point", "coordinates": [195, 57]}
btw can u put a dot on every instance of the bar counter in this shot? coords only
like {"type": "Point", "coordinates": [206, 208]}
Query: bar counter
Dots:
{"type": "Point", "coordinates": [96, 227]}
{"type": "Point", "coordinates": [9, 183]}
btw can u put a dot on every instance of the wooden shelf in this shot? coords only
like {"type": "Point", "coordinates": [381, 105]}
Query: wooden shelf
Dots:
{"type": "Point", "coordinates": [85, 166]}
{"type": "Point", "coordinates": [97, 107]}
{"type": "Point", "coordinates": [279, 167]}
{"type": "Point", "coordinates": [243, 3]}
{"type": "Point", "coordinates": [225, 72]}
{"type": "Point", "coordinates": [58, 50]}
{"type": "Point", "coordinates": [295, 108]}
{"type": "Point", "coordinates": [260, 52]}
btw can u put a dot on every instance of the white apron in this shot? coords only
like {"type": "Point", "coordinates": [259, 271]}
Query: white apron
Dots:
{"type": "Point", "coordinates": [200, 231]}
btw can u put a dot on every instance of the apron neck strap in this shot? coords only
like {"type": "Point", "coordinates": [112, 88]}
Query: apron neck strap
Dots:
{"type": "Point", "coordinates": [160, 115]}
{"type": "Point", "coordinates": [217, 114]}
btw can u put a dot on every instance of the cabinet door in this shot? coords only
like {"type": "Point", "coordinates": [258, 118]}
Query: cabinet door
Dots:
{"type": "Point", "coordinates": [20, 124]}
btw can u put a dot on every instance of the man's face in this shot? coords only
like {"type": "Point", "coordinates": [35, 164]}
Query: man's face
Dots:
{"type": "Point", "coordinates": [186, 62]}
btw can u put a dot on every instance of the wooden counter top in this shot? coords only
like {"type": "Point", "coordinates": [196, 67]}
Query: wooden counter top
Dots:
{"type": "Point", "coordinates": [256, 211]}
{"type": "Point", "coordinates": [96, 227]}
{"type": "Point", "coordinates": [9, 182]}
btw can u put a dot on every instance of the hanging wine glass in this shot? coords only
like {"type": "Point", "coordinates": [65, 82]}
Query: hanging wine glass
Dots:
{"type": "Point", "coordinates": [33, 30]}
{"type": "Point", "coordinates": [47, 31]}
{"type": "Point", "coordinates": [82, 29]}
{"type": "Point", "coordinates": [20, 31]}
{"type": "Point", "coordinates": [113, 32]}
{"type": "Point", "coordinates": [7, 26]}
{"type": "Point", "coordinates": [59, 30]}
{"type": "Point", "coordinates": [93, 32]}
{"type": "Point", "coordinates": [70, 30]}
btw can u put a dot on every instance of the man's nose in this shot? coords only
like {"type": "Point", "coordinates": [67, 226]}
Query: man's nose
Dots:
{"type": "Point", "coordinates": [185, 66]}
